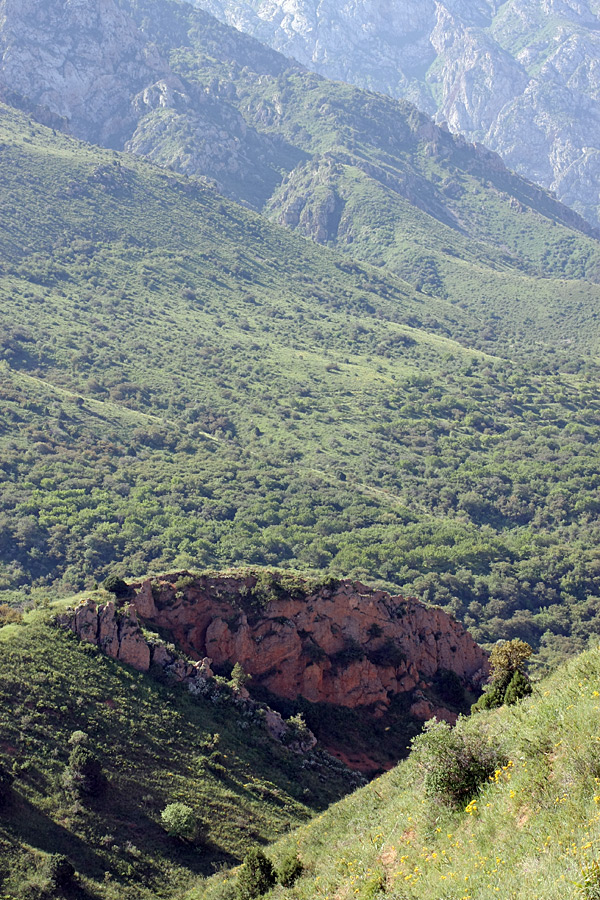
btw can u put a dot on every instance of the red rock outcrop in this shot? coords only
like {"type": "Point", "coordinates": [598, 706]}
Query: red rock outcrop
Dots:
{"type": "Point", "coordinates": [338, 642]}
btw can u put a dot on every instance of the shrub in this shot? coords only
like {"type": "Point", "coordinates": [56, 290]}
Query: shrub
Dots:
{"type": "Point", "coordinates": [84, 773]}
{"type": "Point", "coordinates": [6, 780]}
{"type": "Point", "coordinates": [179, 821]}
{"type": "Point", "coordinates": [9, 615]}
{"type": "Point", "coordinates": [257, 875]}
{"type": "Point", "coordinates": [518, 688]}
{"type": "Point", "coordinates": [238, 677]}
{"type": "Point", "coordinates": [455, 765]}
{"type": "Point", "coordinates": [116, 586]}
{"type": "Point", "coordinates": [60, 871]}
{"type": "Point", "coordinates": [289, 870]}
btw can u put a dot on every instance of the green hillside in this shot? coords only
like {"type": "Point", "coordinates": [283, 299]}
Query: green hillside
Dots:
{"type": "Point", "coordinates": [377, 180]}
{"type": "Point", "coordinates": [532, 829]}
{"type": "Point", "coordinates": [156, 745]}
{"type": "Point", "coordinates": [185, 385]}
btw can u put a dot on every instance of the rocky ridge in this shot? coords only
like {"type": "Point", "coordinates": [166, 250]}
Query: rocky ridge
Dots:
{"type": "Point", "coordinates": [522, 77]}
{"type": "Point", "coordinates": [86, 67]}
{"type": "Point", "coordinates": [340, 643]}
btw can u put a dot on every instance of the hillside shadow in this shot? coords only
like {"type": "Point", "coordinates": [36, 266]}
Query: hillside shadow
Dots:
{"type": "Point", "coordinates": [29, 825]}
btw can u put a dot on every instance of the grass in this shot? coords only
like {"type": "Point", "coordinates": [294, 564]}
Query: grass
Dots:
{"type": "Point", "coordinates": [532, 831]}
{"type": "Point", "coordinates": [157, 746]}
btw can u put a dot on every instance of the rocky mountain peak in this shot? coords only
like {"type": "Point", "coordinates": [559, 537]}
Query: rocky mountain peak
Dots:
{"type": "Point", "coordinates": [521, 77]}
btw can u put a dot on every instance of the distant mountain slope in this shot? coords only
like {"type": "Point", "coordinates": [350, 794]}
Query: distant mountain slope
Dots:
{"type": "Point", "coordinates": [520, 76]}
{"type": "Point", "coordinates": [185, 384]}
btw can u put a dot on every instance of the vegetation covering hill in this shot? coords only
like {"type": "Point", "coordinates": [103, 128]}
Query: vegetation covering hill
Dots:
{"type": "Point", "coordinates": [376, 179]}
{"type": "Point", "coordinates": [185, 385]}
{"type": "Point", "coordinates": [63, 702]}
{"type": "Point", "coordinates": [504, 806]}
{"type": "Point", "coordinates": [517, 75]}
{"type": "Point", "coordinates": [358, 170]}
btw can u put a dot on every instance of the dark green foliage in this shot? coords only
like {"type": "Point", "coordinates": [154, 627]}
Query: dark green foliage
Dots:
{"type": "Point", "coordinates": [455, 764]}
{"type": "Point", "coordinates": [84, 773]}
{"type": "Point", "coordinates": [518, 688]}
{"type": "Point", "coordinates": [61, 872]}
{"type": "Point", "coordinates": [116, 586]}
{"type": "Point", "coordinates": [289, 870]}
{"type": "Point", "coordinates": [257, 875]}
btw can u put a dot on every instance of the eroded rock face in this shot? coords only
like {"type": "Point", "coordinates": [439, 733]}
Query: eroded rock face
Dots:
{"type": "Point", "coordinates": [118, 633]}
{"type": "Point", "coordinates": [81, 59]}
{"type": "Point", "coordinates": [345, 644]}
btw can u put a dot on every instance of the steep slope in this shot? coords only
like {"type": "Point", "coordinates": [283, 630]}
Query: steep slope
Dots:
{"type": "Point", "coordinates": [519, 76]}
{"type": "Point", "coordinates": [530, 830]}
{"type": "Point", "coordinates": [186, 385]}
{"type": "Point", "coordinates": [157, 744]}
{"type": "Point", "coordinates": [199, 97]}
{"type": "Point", "coordinates": [336, 650]}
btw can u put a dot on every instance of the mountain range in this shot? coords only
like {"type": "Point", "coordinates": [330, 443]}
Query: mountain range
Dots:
{"type": "Point", "coordinates": [335, 369]}
{"type": "Point", "coordinates": [519, 76]}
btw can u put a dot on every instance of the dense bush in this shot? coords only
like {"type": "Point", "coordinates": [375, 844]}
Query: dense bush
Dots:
{"type": "Point", "coordinates": [454, 764]}
{"type": "Point", "coordinates": [179, 821]}
{"type": "Point", "coordinates": [84, 774]}
{"type": "Point", "coordinates": [257, 875]}
{"type": "Point", "coordinates": [289, 870]}
{"type": "Point", "coordinates": [116, 586]}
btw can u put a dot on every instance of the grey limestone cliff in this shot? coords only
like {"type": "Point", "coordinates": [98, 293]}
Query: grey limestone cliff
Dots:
{"type": "Point", "coordinates": [521, 77]}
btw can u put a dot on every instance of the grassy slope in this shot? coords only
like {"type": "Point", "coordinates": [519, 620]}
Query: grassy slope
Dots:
{"type": "Point", "coordinates": [533, 831]}
{"type": "Point", "coordinates": [186, 385]}
{"type": "Point", "coordinates": [150, 740]}
{"type": "Point", "coordinates": [422, 204]}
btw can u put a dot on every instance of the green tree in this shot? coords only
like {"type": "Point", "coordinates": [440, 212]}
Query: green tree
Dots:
{"type": "Point", "coordinates": [257, 875]}
{"type": "Point", "coordinates": [509, 657]}
{"type": "Point", "coordinates": [238, 677]}
{"type": "Point", "coordinates": [179, 821]}
{"type": "Point", "coordinates": [84, 773]}
{"type": "Point", "coordinates": [509, 680]}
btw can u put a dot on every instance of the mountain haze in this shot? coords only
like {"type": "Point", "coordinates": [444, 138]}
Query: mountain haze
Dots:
{"type": "Point", "coordinates": [520, 76]}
